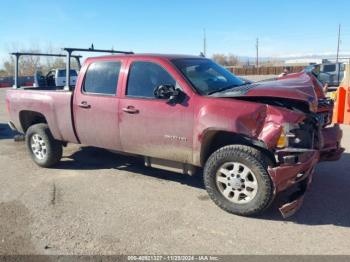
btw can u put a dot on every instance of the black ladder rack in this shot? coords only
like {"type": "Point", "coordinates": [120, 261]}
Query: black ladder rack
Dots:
{"type": "Point", "coordinates": [70, 50]}
{"type": "Point", "coordinates": [68, 56]}
{"type": "Point", "coordinates": [19, 54]}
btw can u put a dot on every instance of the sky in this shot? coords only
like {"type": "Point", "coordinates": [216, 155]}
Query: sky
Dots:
{"type": "Point", "coordinates": [284, 28]}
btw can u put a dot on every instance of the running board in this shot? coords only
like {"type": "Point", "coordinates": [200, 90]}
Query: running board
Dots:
{"type": "Point", "coordinates": [169, 165]}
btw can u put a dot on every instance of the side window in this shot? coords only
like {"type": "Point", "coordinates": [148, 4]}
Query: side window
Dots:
{"type": "Point", "coordinates": [144, 77]}
{"type": "Point", "coordinates": [329, 68]}
{"type": "Point", "coordinates": [102, 78]}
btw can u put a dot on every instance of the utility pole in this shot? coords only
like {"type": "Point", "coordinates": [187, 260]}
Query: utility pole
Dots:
{"type": "Point", "coordinates": [338, 53]}
{"type": "Point", "coordinates": [257, 54]}
{"type": "Point", "coordinates": [338, 43]}
{"type": "Point", "coordinates": [204, 43]}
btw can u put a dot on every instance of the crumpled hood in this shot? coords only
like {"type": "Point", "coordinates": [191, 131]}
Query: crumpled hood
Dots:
{"type": "Point", "coordinates": [300, 87]}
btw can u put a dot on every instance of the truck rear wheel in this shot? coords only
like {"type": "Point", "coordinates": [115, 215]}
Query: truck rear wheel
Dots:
{"type": "Point", "coordinates": [43, 148]}
{"type": "Point", "coordinates": [236, 179]}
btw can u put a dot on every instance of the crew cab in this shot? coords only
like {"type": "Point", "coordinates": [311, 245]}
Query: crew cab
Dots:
{"type": "Point", "coordinates": [183, 113]}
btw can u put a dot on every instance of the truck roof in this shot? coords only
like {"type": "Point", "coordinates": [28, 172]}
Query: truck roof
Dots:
{"type": "Point", "coordinates": [162, 56]}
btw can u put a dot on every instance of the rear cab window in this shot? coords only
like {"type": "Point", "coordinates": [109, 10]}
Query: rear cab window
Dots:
{"type": "Point", "coordinates": [101, 78]}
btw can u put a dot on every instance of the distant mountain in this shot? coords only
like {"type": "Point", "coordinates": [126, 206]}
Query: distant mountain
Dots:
{"type": "Point", "coordinates": [325, 55]}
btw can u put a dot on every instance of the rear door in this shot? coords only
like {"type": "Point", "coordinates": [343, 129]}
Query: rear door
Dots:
{"type": "Point", "coordinates": [151, 126]}
{"type": "Point", "coordinates": [95, 104]}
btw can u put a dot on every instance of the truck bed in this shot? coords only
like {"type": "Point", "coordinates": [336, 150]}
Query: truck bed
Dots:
{"type": "Point", "coordinates": [54, 105]}
{"type": "Point", "coordinates": [43, 88]}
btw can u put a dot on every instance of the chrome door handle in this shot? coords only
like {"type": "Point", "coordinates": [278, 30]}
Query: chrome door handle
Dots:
{"type": "Point", "coordinates": [84, 104]}
{"type": "Point", "coordinates": [130, 110]}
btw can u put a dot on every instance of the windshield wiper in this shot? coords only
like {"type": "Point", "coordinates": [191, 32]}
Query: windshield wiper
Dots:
{"type": "Point", "coordinates": [218, 90]}
{"type": "Point", "coordinates": [225, 88]}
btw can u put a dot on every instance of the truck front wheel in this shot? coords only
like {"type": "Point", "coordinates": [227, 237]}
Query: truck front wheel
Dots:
{"type": "Point", "coordinates": [43, 148]}
{"type": "Point", "coordinates": [236, 179]}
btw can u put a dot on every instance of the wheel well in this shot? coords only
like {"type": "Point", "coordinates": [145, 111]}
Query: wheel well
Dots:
{"type": "Point", "coordinates": [29, 118]}
{"type": "Point", "coordinates": [214, 140]}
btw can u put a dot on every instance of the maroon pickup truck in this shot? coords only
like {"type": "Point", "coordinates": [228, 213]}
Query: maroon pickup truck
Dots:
{"type": "Point", "coordinates": [182, 113]}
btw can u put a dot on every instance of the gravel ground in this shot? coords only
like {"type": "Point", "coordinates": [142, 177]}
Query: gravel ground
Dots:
{"type": "Point", "coordinates": [96, 202]}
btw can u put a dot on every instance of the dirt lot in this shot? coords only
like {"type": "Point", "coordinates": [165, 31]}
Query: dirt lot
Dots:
{"type": "Point", "coordinates": [96, 202]}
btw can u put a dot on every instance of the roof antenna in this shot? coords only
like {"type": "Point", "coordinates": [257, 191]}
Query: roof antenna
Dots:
{"type": "Point", "coordinates": [92, 47]}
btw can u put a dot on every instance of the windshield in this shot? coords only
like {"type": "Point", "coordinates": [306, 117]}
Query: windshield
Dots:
{"type": "Point", "coordinates": [206, 76]}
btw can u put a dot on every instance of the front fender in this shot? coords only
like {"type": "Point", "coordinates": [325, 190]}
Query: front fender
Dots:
{"type": "Point", "coordinates": [257, 122]}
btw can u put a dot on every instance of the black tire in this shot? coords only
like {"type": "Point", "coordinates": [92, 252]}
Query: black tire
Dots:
{"type": "Point", "coordinates": [53, 151]}
{"type": "Point", "coordinates": [256, 162]}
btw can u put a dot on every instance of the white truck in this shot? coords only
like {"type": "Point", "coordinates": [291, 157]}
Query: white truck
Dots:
{"type": "Point", "coordinates": [330, 73]}
{"type": "Point", "coordinates": [54, 78]}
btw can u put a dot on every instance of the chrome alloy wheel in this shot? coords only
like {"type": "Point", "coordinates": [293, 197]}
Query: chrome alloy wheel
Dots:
{"type": "Point", "coordinates": [38, 146]}
{"type": "Point", "coordinates": [236, 182]}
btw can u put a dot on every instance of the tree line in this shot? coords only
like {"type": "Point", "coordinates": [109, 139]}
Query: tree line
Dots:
{"type": "Point", "coordinates": [27, 65]}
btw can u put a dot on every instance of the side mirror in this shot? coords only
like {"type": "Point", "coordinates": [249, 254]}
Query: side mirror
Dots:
{"type": "Point", "coordinates": [169, 92]}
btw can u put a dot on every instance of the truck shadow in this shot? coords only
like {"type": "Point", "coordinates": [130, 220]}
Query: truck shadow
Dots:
{"type": "Point", "coordinates": [89, 158]}
{"type": "Point", "coordinates": [325, 203]}
{"type": "Point", "coordinates": [5, 131]}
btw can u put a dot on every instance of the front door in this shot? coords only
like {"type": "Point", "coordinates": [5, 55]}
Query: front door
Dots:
{"type": "Point", "coordinates": [95, 106]}
{"type": "Point", "coordinates": [151, 126]}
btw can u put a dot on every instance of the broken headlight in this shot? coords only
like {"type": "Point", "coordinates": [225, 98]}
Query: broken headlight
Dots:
{"type": "Point", "coordinates": [287, 137]}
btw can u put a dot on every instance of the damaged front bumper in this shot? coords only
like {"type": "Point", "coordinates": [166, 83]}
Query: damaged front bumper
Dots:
{"type": "Point", "coordinates": [298, 165]}
{"type": "Point", "coordinates": [331, 150]}
{"type": "Point", "coordinates": [296, 199]}
{"type": "Point", "coordinates": [290, 174]}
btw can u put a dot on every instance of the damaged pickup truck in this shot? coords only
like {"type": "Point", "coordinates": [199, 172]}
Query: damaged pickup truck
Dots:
{"type": "Point", "coordinates": [181, 113]}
